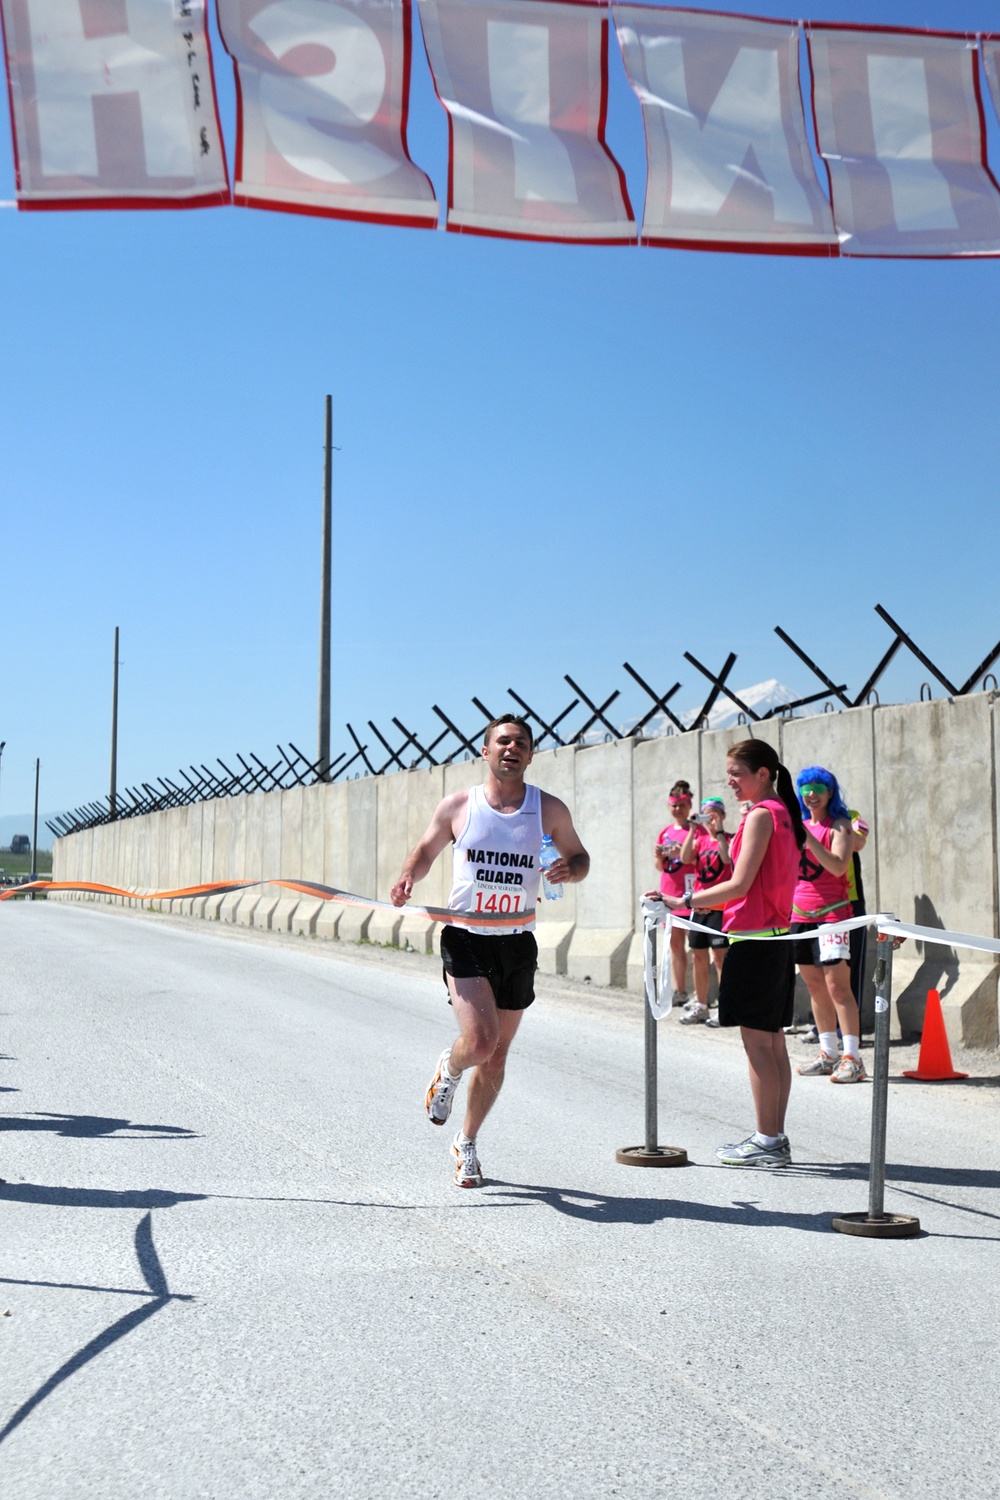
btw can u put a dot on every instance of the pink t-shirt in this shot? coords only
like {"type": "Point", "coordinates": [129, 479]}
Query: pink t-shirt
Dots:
{"type": "Point", "coordinates": [673, 873]}
{"type": "Point", "coordinates": [710, 867]}
{"type": "Point", "coordinates": [816, 888]}
{"type": "Point", "coordinates": [768, 902]}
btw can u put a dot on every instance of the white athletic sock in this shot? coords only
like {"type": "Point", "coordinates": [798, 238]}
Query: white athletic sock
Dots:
{"type": "Point", "coordinates": [453, 1076]}
{"type": "Point", "coordinates": [828, 1042]}
{"type": "Point", "coordinates": [464, 1140]}
{"type": "Point", "coordinates": [766, 1140]}
{"type": "Point", "coordinates": [852, 1044]}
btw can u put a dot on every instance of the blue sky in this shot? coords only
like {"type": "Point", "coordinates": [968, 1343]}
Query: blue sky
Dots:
{"type": "Point", "coordinates": [553, 459]}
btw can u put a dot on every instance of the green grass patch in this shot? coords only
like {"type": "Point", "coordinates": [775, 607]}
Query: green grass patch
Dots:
{"type": "Point", "coordinates": [20, 864]}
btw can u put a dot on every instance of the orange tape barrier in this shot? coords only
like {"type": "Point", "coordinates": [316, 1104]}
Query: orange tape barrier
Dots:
{"type": "Point", "coordinates": [499, 920]}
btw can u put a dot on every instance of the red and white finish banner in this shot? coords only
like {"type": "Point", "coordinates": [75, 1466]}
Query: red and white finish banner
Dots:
{"type": "Point", "coordinates": [991, 61]}
{"type": "Point", "coordinates": [525, 84]}
{"type": "Point", "coordinates": [113, 104]}
{"type": "Point", "coordinates": [899, 122]}
{"type": "Point", "coordinates": [728, 164]}
{"type": "Point", "coordinates": [323, 92]}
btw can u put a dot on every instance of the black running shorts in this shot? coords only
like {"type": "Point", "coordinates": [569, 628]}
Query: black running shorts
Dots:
{"type": "Point", "coordinates": [806, 950]}
{"type": "Point", "coordinates": [508, 962]}
{"type": "Point", "coordinates": [712, 936]}
{"type": "Point", "coordinates": [757, 985]}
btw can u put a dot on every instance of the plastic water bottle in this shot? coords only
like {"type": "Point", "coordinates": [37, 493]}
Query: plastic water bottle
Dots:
{"type": "Point", "coordinates": [546, 860]}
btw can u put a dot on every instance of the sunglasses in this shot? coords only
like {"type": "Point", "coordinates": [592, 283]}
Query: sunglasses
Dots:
{"type": "Point", "coordinates": [813, 788]}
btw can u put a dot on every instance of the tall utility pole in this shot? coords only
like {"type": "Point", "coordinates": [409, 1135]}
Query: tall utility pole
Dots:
{"type": "Point", "coordinates": [323, 756]}
{"type": "Point", "coordinates": [34, 832]}
{"type": "Point", "coordinates": [113, 798]}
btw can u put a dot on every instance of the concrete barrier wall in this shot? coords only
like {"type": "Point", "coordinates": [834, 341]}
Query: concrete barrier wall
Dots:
{"type": "Point", "coordinates": [923, 774]}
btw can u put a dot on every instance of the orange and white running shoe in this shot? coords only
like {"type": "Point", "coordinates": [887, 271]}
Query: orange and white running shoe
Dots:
{"type": "Point", "coordinates": [849, 1070]}
{"type": "Point", "coordinates": [441, 1092]}
{"type": "Point", "coordinates": [823, 1064]}
{"type": "Point", "coordinates": [468, 1172]}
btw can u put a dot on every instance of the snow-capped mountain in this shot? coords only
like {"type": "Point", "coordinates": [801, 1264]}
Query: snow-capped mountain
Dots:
{"type": "Point", "coordinates": [761, 697]}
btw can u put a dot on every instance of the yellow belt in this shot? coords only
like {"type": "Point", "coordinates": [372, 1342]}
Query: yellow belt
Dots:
{"type": "Point", "coordinates": [739, 937]}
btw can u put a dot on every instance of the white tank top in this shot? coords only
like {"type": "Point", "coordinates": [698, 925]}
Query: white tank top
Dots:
{"type": "Point", "coordinates": [496, 859]}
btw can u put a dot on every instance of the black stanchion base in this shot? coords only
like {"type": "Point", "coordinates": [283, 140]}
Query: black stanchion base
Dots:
{"type": "Point", "coordinates": [663, 1156]}
{"type": "Point", "coordinates": [890, 1227]}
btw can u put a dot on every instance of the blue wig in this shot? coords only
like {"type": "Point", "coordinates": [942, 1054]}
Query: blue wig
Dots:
{"type": "Point", "coordinates": [837, 807]}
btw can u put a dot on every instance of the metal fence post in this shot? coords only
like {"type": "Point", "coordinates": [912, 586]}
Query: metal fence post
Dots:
{"type": "Point", "coordinates": [651, 1154]}
{"type": "Point", "coordinates": [876, 1223]}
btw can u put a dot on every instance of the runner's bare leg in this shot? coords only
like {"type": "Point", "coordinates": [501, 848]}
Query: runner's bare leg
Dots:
{"type": "Point", "coordinates": [487, 1078]}
{"type": "Point", "coordinates": [486, 1035]}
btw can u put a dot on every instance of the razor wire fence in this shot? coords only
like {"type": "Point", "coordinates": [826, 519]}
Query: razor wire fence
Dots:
{"type": "Point", "coordinates": [584, 719]}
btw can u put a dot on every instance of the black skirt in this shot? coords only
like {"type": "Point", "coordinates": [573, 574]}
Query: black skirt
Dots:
{"type": "Point", "coordinates": [757, 985]}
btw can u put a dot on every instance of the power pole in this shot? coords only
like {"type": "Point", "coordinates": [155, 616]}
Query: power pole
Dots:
{"type": "Point", "coordinates": [113, 798]}
{"type": "Point", "coordinates": [34, 833]}
{"type": "Point", "coordinates": [323, 757]}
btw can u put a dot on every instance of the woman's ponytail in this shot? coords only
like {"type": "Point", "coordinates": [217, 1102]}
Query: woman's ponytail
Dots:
{"type": "Point", "coordinates": [786, 791]}
{"type": "Point", "coordinates": [756, 754]}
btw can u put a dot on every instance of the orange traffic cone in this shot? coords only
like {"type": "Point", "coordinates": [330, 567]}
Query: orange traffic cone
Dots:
{"type": "Point", "coordinates": [934, 1062]}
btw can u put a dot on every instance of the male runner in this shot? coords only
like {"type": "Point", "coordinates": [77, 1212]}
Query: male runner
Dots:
{"type": "Point", "coordinates": [497, 831]}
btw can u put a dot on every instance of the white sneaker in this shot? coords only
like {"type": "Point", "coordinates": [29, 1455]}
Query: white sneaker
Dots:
{"type": "Point", "coordinates": [693, 1012]}
{"type": "Point", "coordinates": [849, 1070]}
{"type": "Point", "coordinates": [441, 1091]}
{"type": "Point", "coordinates": [468, 1172]}
{"type": "Point", "coordinates": [750, 1153]}
{"type": "Point", "coordinates": [821, 1066]}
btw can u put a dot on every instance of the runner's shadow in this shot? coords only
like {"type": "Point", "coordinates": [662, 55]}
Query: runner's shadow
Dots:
{"type": "Point", "coordinates": [603, 1208]}
{"type": "Point", "coordinates": [94, 1127]}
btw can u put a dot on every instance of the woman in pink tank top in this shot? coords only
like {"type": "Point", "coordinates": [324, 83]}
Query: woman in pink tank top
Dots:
{"type": "Point", "coordinates": [821, 899]}
{"type": "Point", "coordinates": [676, 879]}
{"type": "Point", "coordinates": [758, 981]}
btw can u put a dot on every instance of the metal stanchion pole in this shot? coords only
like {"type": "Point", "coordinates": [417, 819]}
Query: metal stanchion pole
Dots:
{"type": "Point", "coordinates": [649, 1040]}
{"type": "Point", "coordinates": [651, 1154]}
{"type": "Point", "coordinates": [876, 1223]}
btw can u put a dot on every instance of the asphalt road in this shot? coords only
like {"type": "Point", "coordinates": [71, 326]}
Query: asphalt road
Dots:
{"type": "Point", "coordinates": [233, 1264]}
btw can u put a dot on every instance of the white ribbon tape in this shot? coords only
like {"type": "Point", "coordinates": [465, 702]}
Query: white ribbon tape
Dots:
{"type": "Point", "coordinates": [885, 921]}
{"type": "Point", "coordinates": [655, 914]}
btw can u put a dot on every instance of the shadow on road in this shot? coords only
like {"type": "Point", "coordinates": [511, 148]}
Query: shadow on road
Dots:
{"type": "Point", "coordinates": [603, 1208]}
{"type": "Point", "coordinates": [67, 1197]}
{"type": "Point", "coordinates": [600, 1208]}
{"type": "Point", "coordinates": [897, 1174]}
{"type": "Point", "coordinates": [991, 1081]}
{"type": "Point", "coordinates": [94, 1126]}
{"type": "Point", "coordinates": [158, 1293]}
{"type": "Point", "coordinates": [971, 1177]}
